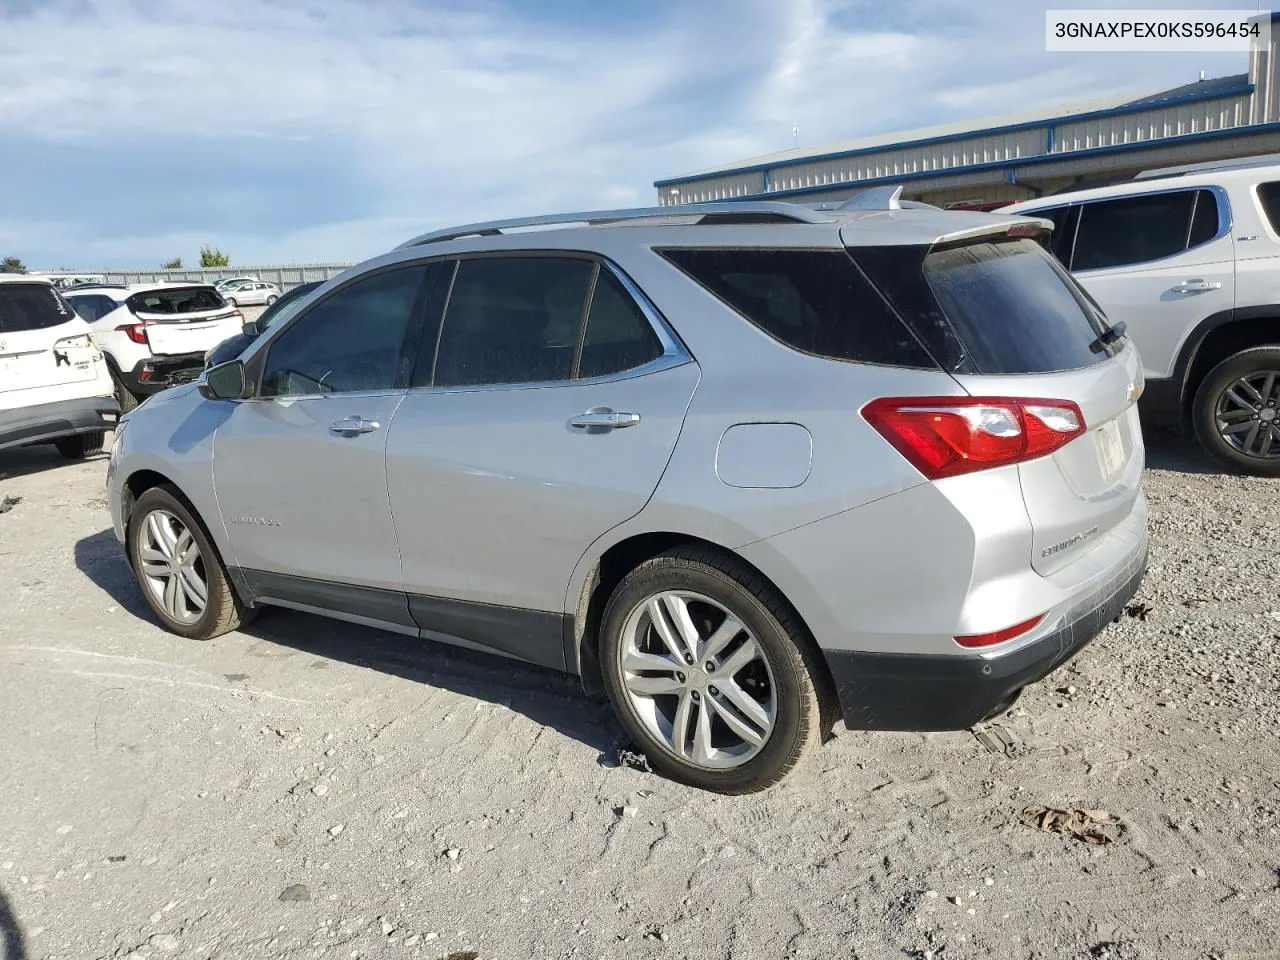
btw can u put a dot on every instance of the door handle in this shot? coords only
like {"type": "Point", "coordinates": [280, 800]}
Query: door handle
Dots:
{"type": "Point", "coordinates": [603, 419]}
{"type": "Point", "coordinates": [350, 426]}
{"type": "Point", "coordinates": [1196, 286]}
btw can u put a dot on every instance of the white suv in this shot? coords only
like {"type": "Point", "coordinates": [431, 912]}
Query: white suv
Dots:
{"type": "Point", "coordinates": [154, 335]}
{"type": "Point", "coordinates": [1188, 258]}
{"type": "Point", "coordinates": [54, 384]}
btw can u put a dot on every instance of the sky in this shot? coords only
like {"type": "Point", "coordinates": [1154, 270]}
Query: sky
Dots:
{"type": "Point", "coordinates": [285, 131]}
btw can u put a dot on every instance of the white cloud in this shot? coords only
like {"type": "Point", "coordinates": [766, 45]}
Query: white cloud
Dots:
{"type": "Point", "coordinates": [401, 116]}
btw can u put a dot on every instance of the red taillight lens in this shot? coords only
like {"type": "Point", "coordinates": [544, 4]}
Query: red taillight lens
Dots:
{"type": "Point", "coordinates": [137, 332]}
{"type": "Point", "coordinates": [948, 436]}
{"type": "Point", "coordinates": [1000, 636]}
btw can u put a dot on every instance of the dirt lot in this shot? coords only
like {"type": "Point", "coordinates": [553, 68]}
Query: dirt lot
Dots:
{"type": "Point", "coordinates": [309, 789]}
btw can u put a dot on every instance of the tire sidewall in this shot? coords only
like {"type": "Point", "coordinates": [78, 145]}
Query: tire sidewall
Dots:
{"type": "Point", "coordinates": [1205, 404]}
{"type": "Point", "coordinates": [789, 687]}
{"type": "Point", "coordinates": [158, 498]}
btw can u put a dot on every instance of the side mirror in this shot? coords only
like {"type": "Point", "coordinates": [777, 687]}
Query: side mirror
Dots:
{"type": "Point", "coordinates": [223, 382]}
{"type": "Point", "coordinates": [250, 328]}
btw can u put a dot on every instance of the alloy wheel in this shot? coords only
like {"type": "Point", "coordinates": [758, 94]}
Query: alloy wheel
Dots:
{"type": "Point", "coordinates": [1247, 414]}
{"type": "Point", "coordinates": [172, 566]}
{"type": "Point", "coordinates": [697, 679]}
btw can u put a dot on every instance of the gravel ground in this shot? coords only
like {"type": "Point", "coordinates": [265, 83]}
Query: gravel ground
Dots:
{"type": "Point", "coordinates": [313, 789]}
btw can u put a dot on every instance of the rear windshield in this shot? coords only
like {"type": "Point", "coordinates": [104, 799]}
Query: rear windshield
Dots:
{"type": "Point", "coordinates": [994, 307]}
{"type": "Point", "coordinates": [31, 306]}
{"type": "Point", "coordinates": [177, 300]}
{"type": "Point", "coordinates": [816, 301]}
{"type": "Point", "coordinates": [1013, 308]}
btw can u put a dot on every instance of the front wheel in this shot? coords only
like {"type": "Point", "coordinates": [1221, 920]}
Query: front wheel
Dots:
{"type": "Point", "coordinates": [233, 301]}
{"type": "Point", "coordinates": [272, 299]}
{"type": "Point", "coordinates": [180, 572]}
{"type": "Point", "coordinates": [710, 672]}
{"type": "Point", "coordinates": [81, 445]}
{"type": "Point", "coordinates": [1236, 411]}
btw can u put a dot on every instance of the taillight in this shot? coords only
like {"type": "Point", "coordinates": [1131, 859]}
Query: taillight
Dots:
{"type": "Point", "coordinates": [137, 332]}
{"type": "Point", "coordinates": [948, 436]}
{"type": "Point", "coordinates": [999, 636]}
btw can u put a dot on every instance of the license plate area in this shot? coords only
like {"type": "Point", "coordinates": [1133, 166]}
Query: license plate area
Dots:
{"type": "Point", "coordinates": [1110, 448]}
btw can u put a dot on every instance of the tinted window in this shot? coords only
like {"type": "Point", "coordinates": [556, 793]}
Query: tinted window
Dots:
{"type": "Point", "coordinates": [91, 308]}
{"type": "Point", "coordinates": [1204, 219]}
{"type": "Point", "coordinates": [1115, 233]}
{"type": "Point", "coordinates": [1063, 229]}
{"type": "Point", "coordinates": [352, 341]}
{"type": "Point", "coordinates": [618, 335]}
{"type": "Point", "coordinates": [31, 306]}
{"type": "Point", "coordinates": [1269, 195]}
{"type": "Point", "coordinates": [512, 320]}
{"type": "Point", "coordinates": [813, 300]}
{"type": "Point", "coordinates": [1013, 307]}
{"type": "Point", "coordinates": [173, 300]}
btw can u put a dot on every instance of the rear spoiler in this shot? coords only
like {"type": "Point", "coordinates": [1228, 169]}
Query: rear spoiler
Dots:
{"type": "Point", "coordinates": [1036, 228]}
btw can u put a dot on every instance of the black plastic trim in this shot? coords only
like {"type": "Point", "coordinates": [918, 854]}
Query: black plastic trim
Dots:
{"type": "Point", "coordinates": [885, 691]}
{"type": "Point", "coordinates": [371, 603]}
{"type": "Point", "coordinates": [52, 421]}
{"type": "Point", "coordinates": [535, 636]}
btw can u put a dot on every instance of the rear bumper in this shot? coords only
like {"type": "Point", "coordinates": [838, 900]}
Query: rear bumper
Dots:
{"type": "Point", "coordinates": [164, 372]}
{"type": "Point", "coordinates": [884, 691]}
{"type": "Point", "coordinates": [52, 421]}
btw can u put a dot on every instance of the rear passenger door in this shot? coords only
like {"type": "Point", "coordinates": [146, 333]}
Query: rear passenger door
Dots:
{"type": "Point", "coordinates": [1161, 262]}
{"type": "Point", "coordinates": [543, 413]}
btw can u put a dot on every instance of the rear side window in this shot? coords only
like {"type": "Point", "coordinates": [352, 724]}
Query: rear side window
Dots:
{"type": "Point", "coordinates": [816, 301]}
{"type": "Point", "coordinates": [618, 335]}
{"type": "Point", "coordinates": [1132, 230]}
{"type": "Point", "coordinates": [1269, 195]}
{"type": "Point", "coordinates": [92, 307]}
{"type": "Point", "coordinates": [177, 300]}
{"type": "Point", "coordinates": [31, 306]}
{"type": "Point", "coordinates": [512, 320]}
{"type": "Point", "coordinates": [1013, 308]}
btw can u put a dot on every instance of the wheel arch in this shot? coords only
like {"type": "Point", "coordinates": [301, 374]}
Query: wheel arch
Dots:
{"type": "Point", "coordinates": [582, 627]}
{"type": "Point", "coordinates": [1215, 339]}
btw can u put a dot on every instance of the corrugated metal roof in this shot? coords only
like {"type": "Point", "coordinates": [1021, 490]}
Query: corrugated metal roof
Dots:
{"type": "Point", "coordinates": [1224, 85]}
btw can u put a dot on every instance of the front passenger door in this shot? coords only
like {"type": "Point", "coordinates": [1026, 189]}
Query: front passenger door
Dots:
{"type": "Point", "coordinates": [299, 470]}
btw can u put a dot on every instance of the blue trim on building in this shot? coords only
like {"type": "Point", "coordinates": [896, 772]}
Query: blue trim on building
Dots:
{"type": "Point", "coordinates": [1145, 107]}
{"type": "Point", "coordinates": [1018, 165]}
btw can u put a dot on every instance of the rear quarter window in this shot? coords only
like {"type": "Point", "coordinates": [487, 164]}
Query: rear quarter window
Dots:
{"type": "Point", "coordinates": [32, 306]}
{"type": "Point", "coordinates": [815, 301]}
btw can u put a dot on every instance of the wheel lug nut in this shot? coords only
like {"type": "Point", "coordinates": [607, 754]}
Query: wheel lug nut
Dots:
{"type": "Point", "coordinates": [713, 691]}
{"type": "Point", "coordinates": [711, 666]}
{"type": "Point", "coordinates": [694, 694]}
{"type": "Point", "coordinates": [680, 677]}
{"type": "Point", "coordinates": [688, 658]}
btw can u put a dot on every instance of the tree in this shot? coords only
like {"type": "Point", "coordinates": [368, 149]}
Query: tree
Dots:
{"type": "Point", "coordinates": [174, 264]}
{"type": "Point", "coordinates": [213, 257]}
{"type": "Point", "coordinates": [13, 263]}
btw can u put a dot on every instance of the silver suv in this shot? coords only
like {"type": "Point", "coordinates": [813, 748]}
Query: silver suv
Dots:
{"type": "Point", "coordinates": [746, 467]}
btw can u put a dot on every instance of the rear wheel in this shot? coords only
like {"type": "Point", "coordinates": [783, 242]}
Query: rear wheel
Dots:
{"type": "Point", "coordinates": [180, 572]}
{"type": "Point", "coordinates": [710, 672]}
{"type": "Point", "coordinates": [233, 301]}
{"type": "Point", "coordinates": [272, 299]}
{"type": "Point", "coordinates": [1236, 411]}
{"type": "Point", "coordinates": [81, 445]}
{"type": "Point", "coordinates": [127, 399]}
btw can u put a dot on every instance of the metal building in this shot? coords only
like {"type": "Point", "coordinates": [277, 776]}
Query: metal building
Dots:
{"type": "Point", "coordinates": [1020, 156]}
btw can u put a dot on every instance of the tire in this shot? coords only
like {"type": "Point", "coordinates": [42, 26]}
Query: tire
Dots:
{"type": "Point", "coordinates": [222, 611]}
{"type": "Point", "coordinates": [233, 302]}
{"type": "Point", "coordinates": [779, 679]}
{"type": "Point", "coordinates": [81, 445]}
{"type": "Point", "coordinates": [272, 299]}
{"type": "Point", "coordinates": [127, 399]}
{"type": "Point", "coordinates": [1231, 395]}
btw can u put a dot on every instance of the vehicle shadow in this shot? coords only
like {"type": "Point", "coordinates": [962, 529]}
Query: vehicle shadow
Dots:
{"type": "Point", "coordinates": [11, 947]}
{"type": "Point", "coordinates": [1169, 449]}
{"type": "Point", "coordinates": [21, 461]}
{"type": "Point", "coordinates": [545, 696]}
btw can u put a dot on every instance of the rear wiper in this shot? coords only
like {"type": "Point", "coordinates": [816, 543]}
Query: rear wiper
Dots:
{"type": "Point", "coordinates": [1110, 334]}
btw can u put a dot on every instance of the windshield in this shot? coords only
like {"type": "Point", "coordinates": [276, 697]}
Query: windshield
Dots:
{"type": "Point", "coordinates": [31, 306]}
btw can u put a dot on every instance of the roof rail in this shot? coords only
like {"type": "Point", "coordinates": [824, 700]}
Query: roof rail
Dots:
{"type": "Point", "coordinates": [742, 211]}
{"type": "Point", "coordinates": [1236, 163]}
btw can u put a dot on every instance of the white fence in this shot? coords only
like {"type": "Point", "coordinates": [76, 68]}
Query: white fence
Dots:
{"type": "Point", "coordinates": [285, 276]}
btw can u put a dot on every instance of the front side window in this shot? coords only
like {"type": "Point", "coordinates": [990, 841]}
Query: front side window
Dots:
{"type": "Point", "coordinates": [1133, 230]}
{"type": "Point", "coordinates": [353, 341]}
{"type": "Point", "coordinates": [512, 320]}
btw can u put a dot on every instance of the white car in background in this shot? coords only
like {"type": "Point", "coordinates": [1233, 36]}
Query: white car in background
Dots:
{"type": "Point", "coordinates": [252, 293]}
{"type": "Point", "coordinates": [154, 335]}
{"type": "Point", "coordinates": [54, 383]}
{"type": "Point", "coordinates": [226, 283]}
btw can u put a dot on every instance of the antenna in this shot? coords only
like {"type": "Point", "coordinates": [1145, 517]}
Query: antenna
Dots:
{"type": "Point", "coordinates": [1202, 76]}
{"type": "Point", "coordinates": [795, 134]}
